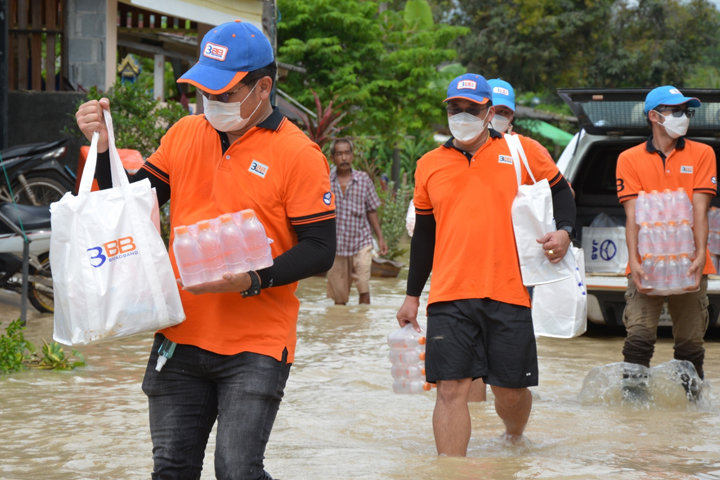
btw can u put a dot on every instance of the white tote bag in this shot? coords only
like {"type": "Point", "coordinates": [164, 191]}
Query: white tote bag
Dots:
{"type": "Point", "coordinates": [532, 217]}
{"type": "Point", "coordinates": [560, 309]}
{"type": "Point", "coordinates": [112, 276]}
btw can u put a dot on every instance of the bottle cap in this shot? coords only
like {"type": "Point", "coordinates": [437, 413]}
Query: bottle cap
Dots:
{"type": "Point", "coordinates": [421, 340]}
{"type": "Point", "coordinates": [658, 224]}
{"type": "Point", "coordinates": [226, 218]}
{"type": "Point", "coordinates": [667, 190]}
{"type": "Point", "coordinates": [644, 224]}
{"type": "Point", "coordinates": [647, 255]}
{"type": "Point", "coordinates": [427, 387]}
{"type": "Point", "coordinates": [683, 255]}
{"type": "Point", "coordinates": [641, 192]}
{"type": "Point", "coordinates": [654, 191]}
{"type": "Point", "coordinates": [204, 225]}
{"type": "Point", "coordinates": [181, 230]}
{"type": "Point", "coordinates": [673, 257]}
{"type": "Point", "coordinates": [247, 214]}
{"type": "Point", "coordinates": [681, 189]}
{"type": "Point", "coordinates": [672, 223]}
{"type": "Point", "coordinates": [688, 221]}
{"type": "Point", "coordinates": [422, 356]}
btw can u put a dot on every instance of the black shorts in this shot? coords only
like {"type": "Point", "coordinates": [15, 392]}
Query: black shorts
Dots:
{"type": "Point", "coordinates": [481, 338]}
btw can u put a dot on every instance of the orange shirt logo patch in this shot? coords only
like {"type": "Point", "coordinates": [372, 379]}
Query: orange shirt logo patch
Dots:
{"type": "Point", "coordinates": [686, 169]}
{"type": "Point", "coordinates": [258, 169]}
{"type": "Point", "coordinates": [505, 159]}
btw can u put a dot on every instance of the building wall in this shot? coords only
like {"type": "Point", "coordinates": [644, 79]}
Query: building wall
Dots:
{"type": "Point", "coordinates": [87, 22]}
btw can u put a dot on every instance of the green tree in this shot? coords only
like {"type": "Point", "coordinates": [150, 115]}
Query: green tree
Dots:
{"type": "Point", "coordinates": [380, 64]}
{"type": "Point", "coordinates": [539, 45]}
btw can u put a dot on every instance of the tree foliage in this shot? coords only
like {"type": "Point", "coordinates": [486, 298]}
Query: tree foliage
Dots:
{"type": "Point", "coordinates": [380, 64]}
{"type": "Point", "coordinates": [540, 45]}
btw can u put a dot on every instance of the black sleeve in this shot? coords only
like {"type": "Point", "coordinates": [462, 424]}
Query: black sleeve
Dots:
{"type": "Point", "coordinates": [104, 177]}
{"type": "Point", "coordinates": [563, 204]}
{"type": "Point", "coordinates": [422, 252]}
{"type": "Point", "coordinates": [313, 254]}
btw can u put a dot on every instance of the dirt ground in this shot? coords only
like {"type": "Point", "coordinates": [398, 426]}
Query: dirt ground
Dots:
{"type": "Point", "coordinates": [38, 325]}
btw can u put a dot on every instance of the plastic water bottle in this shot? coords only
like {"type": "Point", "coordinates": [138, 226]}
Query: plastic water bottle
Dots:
{"type": "Point", "coordinates": [683, 206]}
{"type": "Point", "coordinates": [673, 273]}
{"type": "Point", "coordinates": [660, 273]}
{"type": "Point", "coordinates": [656, 206]}
{"type": "Point", "coordinates": [668, 199]}
{"type": "Point", "coordinates": [671, 237]}
{"type": "Point", "coordinates": [644, 239]}
{"type": "Point", "coordinates": [648, 266]}
{"type": "Point", "coordinates": [210, 252]}
{"type": "Point", "coordinates": [657, 236]}
{"type": "Point", "coordinates": [256, 241]}
{"type": "Point", "coordinates": [714, 219]}
{"type": "Point", "coordinates": [685, 264]}
{"type": "Point", "coordinates": [714, 243]}
{"type": "Point", "coordinates": [407, 355]}
{"type": "Point", "coordinates": [642, 208]}
{"type": "Point", "coordinates": [187, 257]}
{"type": "Point", "coordinates": [232, 244]}
{"type": "Point", "coordinates": [686, 239]}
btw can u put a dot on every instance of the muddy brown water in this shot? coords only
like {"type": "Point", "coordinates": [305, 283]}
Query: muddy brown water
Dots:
{"type": "Point", "coordinates": [340, 419]}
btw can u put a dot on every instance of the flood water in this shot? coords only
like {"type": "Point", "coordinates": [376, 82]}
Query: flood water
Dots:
{"type": "Point", "coordinates": [340, 419]}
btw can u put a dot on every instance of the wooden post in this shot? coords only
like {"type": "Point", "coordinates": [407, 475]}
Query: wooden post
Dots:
{"type": "Point", "coordinates": [50, 24]}
{"type": "Point", "coordinates": [22, 65]}
{"type": "Point", "coordinates": [36, 45]}
{"type": "Point", "coordinates": [4, 66]}
{"type": "Point", "coordinates": [159, 78]}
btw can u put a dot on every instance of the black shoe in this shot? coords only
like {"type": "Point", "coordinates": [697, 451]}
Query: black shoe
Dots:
{"type": "Point", "coordinates": [635, 387]}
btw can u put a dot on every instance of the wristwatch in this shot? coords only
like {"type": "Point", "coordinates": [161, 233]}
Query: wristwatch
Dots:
{"type": "Point", "coordinates": [254, 285]}
{"type": "Point", "coordinates": [570, 231]}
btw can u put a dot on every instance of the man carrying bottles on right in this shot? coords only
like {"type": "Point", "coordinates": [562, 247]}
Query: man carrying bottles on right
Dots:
{"type": "Point", "coordinates": [667, 161]}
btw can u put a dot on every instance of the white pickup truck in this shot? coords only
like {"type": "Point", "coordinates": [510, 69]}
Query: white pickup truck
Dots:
{"type": "Point", "coordinates": [612, 121]}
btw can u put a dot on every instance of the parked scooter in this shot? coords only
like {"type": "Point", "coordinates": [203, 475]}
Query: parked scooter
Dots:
{"type": "Point", "coordinates": [36, 175]}
{"type": "Point", "coordinates": [36, 224]}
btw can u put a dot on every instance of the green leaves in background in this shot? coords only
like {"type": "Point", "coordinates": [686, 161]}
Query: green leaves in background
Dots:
{"type": "Point", "coordinates": [17, 354]}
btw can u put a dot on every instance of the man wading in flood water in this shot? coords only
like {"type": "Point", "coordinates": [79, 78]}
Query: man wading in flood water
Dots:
{"type": "Point", "coordinates": [479, 321]}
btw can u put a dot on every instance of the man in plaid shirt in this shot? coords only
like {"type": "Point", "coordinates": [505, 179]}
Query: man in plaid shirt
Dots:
{"type": "Point", "coordinates": [356, 204]}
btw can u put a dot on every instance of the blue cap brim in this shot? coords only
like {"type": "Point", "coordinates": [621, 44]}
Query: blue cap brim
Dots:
{"type": "Point", "coordinates": [211, 80]}
{"type": "Point", "coordinates": [505, 103]}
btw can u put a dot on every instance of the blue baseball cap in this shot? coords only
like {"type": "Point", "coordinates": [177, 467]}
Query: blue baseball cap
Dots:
{"type": "Point", "coordinates": [471, 87]}
{"type": "Point", "coordinates": [668, 95]}
{"type": "Point", "coordinates": [502, 93]}
{"type": "Point", "coordinates": [229, 52]}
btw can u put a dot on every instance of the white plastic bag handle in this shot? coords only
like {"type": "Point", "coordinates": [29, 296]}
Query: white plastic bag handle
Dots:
{"type": "Point", "coordinates": [517, 152]}
{"type": "Point", "coordinates": [119, 177]}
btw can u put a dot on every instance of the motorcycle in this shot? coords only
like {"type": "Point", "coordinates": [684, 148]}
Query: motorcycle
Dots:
{"type": "Point", "coordinates": [35, 221]}
{"type": "Point", "coordinates": [36, 175]}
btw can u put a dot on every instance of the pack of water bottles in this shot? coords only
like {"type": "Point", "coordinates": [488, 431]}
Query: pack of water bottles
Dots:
{"type": "Point", "coordinates": [714, 227]}
{"type": "Point", "coordinates": [407, 355]}
{"type": "Point", "coordinates": [666, 242]}
{"type": "Point", "coordinates": [233, 242]}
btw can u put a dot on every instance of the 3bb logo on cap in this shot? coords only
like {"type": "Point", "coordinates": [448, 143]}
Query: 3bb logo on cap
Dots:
{"type": "Point", "coordinates": [217, 52]}
{"type": "Point", "coordinates": [500, 90]}
{"type": "Point", "coordinates": [469, 84]}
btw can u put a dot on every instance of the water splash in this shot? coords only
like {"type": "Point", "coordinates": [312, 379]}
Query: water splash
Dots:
{"type": "Point", "coordinates": [669, 385]}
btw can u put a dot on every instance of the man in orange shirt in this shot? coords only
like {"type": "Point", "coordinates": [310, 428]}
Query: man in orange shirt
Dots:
{"type": "Point", "coordinates": [667, 161]}
{"type": "Point", "coordinates": [235, 349]}
{"type": "Point", "coordinates": [479, 321]}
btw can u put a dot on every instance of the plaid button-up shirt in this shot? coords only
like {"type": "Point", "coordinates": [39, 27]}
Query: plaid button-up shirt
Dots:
{"type": "Point", "coordinates": [351, 209]}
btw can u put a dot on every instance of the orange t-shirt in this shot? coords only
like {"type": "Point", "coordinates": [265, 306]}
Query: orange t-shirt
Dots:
{"type": "Point", "coordinates": [471, 199]}
{"type": "Point", "coordinates": [690, 166]}
{"type": "Point", "coordinates": [273, 169]}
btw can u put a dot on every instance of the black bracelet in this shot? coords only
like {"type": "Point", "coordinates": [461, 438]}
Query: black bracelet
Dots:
{"type": "Point", "coordinates": [254, 285]}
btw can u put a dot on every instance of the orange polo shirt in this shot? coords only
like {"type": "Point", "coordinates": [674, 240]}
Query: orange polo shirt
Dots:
{"type": "Point", "coordinates": [273, 169]}
{"type": "Point", "coordinates": [471, 198]}
{"type": "Point", "coordinates": [690, 166]}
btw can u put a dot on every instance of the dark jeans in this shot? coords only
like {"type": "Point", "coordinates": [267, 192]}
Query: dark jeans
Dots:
{"type": "Point", "coordinates": [196, 387]}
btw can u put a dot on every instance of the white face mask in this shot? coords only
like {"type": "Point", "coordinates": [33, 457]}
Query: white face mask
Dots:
{"type": "Point", "coordinates": [676, 127]}
{"type": "Point", "coordinates": [226, 117]}
{"type": "Point", "coordinates": [465, 127]}
{"type": "Point", "coordinates": [500, 123]}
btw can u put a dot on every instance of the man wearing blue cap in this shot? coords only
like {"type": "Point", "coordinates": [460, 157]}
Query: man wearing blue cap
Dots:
{"type": "Point", "coordinates": [479, 321]}
{"type": "Point", "coordinates": [235, 349]}
{"type": "Point", "coordinates": [503, 99]}
{"type": "Point", "coordinates": [667, 161]}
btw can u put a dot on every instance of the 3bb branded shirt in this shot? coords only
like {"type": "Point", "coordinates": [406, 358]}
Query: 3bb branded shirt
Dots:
{"type": "Point", "coordinates": [690, 166]}
{"type": "Point", "coordinates": [471, 198]}
{"type": "Point", "coordinates": [273, 169]}
{"type": "Point", "coordinates": [352, 225]}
